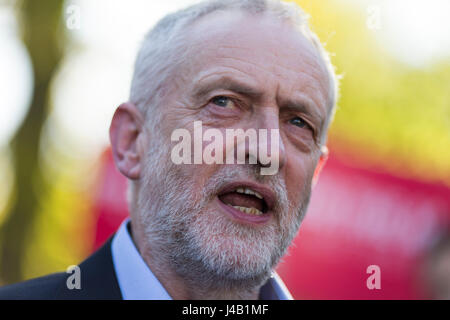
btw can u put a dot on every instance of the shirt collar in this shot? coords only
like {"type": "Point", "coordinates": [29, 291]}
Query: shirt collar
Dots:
{"type": "Point", "coordinates": [137, 282]}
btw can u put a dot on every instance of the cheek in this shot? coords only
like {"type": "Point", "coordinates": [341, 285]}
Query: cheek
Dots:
{"type": "Point", "coordinates": [299, 173]}
{"type": "Point", "coordinates": [177, 119]}
{"type": "Point", "coordinates": [196, 177]}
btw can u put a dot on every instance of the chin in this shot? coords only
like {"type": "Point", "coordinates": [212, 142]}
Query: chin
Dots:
{"type": "Point", "coordinates": [232, 250]}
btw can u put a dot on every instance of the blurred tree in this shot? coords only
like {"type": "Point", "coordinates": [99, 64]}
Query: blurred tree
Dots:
{"type": "Point", "coordinates": [42, 35]}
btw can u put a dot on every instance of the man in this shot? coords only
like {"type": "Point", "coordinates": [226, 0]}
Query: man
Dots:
{"type": "Point", "coordinates": [212, 230]}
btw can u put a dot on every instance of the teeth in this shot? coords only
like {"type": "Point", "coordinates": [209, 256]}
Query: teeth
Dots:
{"type": "Point", "coordinates": [253, 211]}
{"type": "Point", "coordinates": [249, 191]}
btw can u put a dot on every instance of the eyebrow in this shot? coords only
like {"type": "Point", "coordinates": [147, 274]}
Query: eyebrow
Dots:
{"type": "Point", "coordinates": [227, 84]}
{"type": "Point", "coordinates": [305, 105]}
{"type": "Point", "coordinates": [301, 104]}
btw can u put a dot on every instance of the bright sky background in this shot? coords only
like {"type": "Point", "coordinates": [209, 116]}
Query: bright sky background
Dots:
{"type": "Point", "coordinates": [417, 32]}
{"type": "Point", "coordinates": [15, 77]}
{"type": "Point", "coordinates": [95, 76]}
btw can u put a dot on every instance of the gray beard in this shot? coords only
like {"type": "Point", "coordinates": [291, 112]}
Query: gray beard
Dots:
{"type": "Point", "coordinates": [205, 248]}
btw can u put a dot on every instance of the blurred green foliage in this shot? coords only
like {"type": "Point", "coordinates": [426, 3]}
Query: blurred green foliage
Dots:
{"type": "Point", "coordinates": [390, 116]}
{"type": "Point", "coordinates": [41, 32]}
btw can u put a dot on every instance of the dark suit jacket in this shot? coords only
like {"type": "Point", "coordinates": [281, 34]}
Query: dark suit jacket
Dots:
{"type": "Point", "coordinates": [98, 281]}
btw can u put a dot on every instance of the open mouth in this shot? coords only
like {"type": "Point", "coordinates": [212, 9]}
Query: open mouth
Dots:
{"type": "Point", "coordinates": [246, 199]}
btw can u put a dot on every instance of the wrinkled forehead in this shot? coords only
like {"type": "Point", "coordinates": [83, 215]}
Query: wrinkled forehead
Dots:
{"type": "Point", "coordinates": [263, 40]}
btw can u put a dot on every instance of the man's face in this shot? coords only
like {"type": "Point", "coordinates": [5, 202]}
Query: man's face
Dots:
{"type": "Point", "coordinates": [243, 72]}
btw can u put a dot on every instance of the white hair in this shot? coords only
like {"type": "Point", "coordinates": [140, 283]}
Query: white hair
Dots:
{"type": "Point", "coordinates": [164, 50]}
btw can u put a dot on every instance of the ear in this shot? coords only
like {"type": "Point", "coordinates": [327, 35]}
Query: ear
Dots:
{"type": "Point", "coordinates": [322, 160]}
{"type": "Point", "coordinates": [125, 132]}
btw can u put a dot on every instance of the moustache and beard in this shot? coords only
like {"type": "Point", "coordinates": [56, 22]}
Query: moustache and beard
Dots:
{"type": "Point", "coordinates": [202, 245]}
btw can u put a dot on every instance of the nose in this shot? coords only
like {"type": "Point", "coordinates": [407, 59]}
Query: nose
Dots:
{"type": "Point", "coordinates": [270, 151]}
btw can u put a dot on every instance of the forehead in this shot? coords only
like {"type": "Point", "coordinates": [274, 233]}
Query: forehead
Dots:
{"type": "Point", "coordinates": [258, 49]}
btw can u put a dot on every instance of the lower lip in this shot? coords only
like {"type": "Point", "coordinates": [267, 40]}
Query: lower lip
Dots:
{"type": "Point", "coordinates": [244, 217]}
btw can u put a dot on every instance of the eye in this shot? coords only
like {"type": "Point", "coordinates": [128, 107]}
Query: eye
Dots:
{"type": "Point", "coordinates": [221, 101]}
{"type": "Point", "coordinates": [299, 122]}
